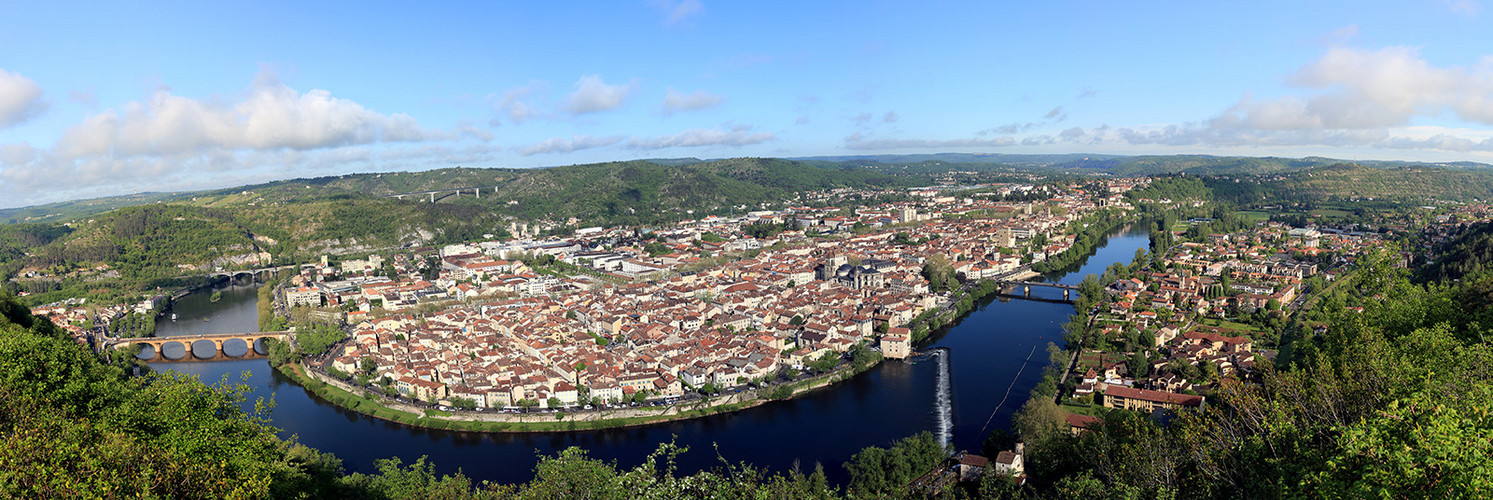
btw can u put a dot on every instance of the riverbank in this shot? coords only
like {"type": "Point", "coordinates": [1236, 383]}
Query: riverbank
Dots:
{"type": "Point", "coordinates": [353, 398]}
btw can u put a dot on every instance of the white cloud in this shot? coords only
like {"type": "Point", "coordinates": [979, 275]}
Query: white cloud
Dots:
{"type": "Point", "coordinates": [20, 99]}
{"type": "Point", "coordinates": [674, 12]}
{"type": "Point", "coordinates": [563, 145]}
{"type": "Point", "coordinates": [1341, 35]}
{"type": "Point", "coordinates": [1370, 89]}
{"type": "Point", "coordinates": [85, 97]}
{"type": "Point", "coordinates": [857, 141]}
{"type": "Point", "coordinates": [1009, 128]}
{"type": "Point", "coordinates": [173, 142]}
{"type": "Point", "coordinates": [1353, 99]}
{"type": "Point", "coordinates": [1465, 8]}
{"type": "Point", "coordinates": [676, 101]}
{"type": "Point", "coordinates": [889, 117]}
{"type": "Point", "coordinates": [272, 116]}
{"type": "Point", "coordinates": [592, 95]}
{"type": "Point", "coordinates": [735, 137]}
{"type": "Point", "coordinates": [516, 103]}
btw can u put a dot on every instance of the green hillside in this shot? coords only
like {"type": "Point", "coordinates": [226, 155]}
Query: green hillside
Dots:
{"type": "Point", "coordinates": [1469, 253]}
{"type": "Point", "coordinates": [77, 209]}
{"type": "Point", "coordinates": [1330, 183]}
{"type": "Point", "coordinates": [633, 192]}
{"type": "Point", "coordinates": [111, 253]}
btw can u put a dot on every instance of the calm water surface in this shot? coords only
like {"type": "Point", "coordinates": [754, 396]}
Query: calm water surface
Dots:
{"type": "Point", "coordinates": [987, 349]}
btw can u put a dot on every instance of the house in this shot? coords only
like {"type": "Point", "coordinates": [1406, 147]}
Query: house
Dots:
{"type": "Point", "coordinates": [897, 343]}
{"type": "Point", "coordinates": [1010, 463]}
{"type": "Point", "coordinates": [1148, 401]}
{"type": "Point", "coordinates": [1079, 424]}
{"type": "Point", "coordinates": [421, 389]}
{"type": "Point", "coordinates": [303, 296]}
{"type": "Point", "coordinates": [971, 466]}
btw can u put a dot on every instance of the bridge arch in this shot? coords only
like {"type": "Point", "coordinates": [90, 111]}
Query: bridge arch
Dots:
{"type": "Point", "coordinates": [235, 348]}
{"type": "Point", "coordinates": [173, 350]}
{"type": "Point", "coordinates": [204, 349]}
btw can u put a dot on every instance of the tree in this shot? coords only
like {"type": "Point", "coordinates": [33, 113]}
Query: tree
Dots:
{"type": "Point", "coordinates": [826, 362]}
{"type": "Point", "coordinates": [1038, 418]}
{"type": "Point", "coordinates": [881, 472]}
{"type": "Point", "coordinates": [1139, 365]}
{"type": "Point", "coordinates": [463, 403]}
{"type": "Point", "coordinates": [552, 402]}
{"type": "Point", "coordinates": [940, 273]}
{"type": "Point", "coordinates": [368, 365]}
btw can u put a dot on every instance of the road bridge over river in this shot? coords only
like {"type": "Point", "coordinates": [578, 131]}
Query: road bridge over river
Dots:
{"type": "Point", "coordinates": [1026, 287]}
{"type": "Point", "coordinates": [256, 273]}
{"type": "Point", "coordinates": [209, 347]}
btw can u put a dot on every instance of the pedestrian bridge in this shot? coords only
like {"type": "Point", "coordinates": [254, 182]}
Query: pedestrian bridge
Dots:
{"type": "Point", "coordinates": [208, 347]}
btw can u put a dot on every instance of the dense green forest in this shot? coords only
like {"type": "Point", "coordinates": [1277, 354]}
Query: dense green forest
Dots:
{"type": "Point", "coordinates": [1469, 252]}
{"type": "Point", "coordinates": [1330, 183]}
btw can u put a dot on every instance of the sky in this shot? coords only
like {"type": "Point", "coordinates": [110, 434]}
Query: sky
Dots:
{"type": "Point", "coordinates": [107, 98]}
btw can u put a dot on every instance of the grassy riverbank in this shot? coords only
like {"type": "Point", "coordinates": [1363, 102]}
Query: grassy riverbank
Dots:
{"type": "Point", "coordinates": [373, 406]}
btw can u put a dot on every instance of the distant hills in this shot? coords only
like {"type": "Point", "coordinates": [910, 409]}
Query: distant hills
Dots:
{"type": "Point", "coordinates": [676, 185]}
{"type": "Point", "coordinates": [1118, 165]}
{"type": "Point", "coordinates": [154, 236]}
{"type": "Point", "coordinates": [175, 234]}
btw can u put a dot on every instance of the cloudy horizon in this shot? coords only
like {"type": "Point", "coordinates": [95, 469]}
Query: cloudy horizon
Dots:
{"type": "Point", "coordinates": [120, 101]}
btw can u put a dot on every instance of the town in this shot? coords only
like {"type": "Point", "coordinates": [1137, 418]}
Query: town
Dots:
{"type": "Point", "coordinates": [580, 322]}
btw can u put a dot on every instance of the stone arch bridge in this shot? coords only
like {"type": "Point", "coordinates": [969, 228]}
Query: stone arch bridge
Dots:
{"type": "Point", "coordinates": [208, 347]}
{"type": "Point", "coordinates": [254, 273]}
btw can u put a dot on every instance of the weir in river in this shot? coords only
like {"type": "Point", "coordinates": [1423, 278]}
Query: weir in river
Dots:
{"type": "Point", "coordinates": [943, 406]}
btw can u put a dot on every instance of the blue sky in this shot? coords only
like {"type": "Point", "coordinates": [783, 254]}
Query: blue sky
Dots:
{"type": "Point", "coordinates": [108, 98]}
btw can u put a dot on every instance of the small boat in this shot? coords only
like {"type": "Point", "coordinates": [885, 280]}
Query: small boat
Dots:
{"type": "Point", "coordinates": [173, 316]}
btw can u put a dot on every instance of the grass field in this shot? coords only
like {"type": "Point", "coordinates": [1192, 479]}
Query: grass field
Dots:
{"type": "Point", "coordinates": [1094, 410]}
{"type": "Point", "coordinates": [1215, 322]}
{"type": "Point", "coordinates": [1253, 215]}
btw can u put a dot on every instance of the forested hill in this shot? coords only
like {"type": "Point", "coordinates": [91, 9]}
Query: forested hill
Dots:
{"type": "Point", "coordinates": [297, 220]}
{"type": "Point", "coordinates": [682, 184]}
{"type": "Point", "coordinates": [622, 192]}
{"type": "Point", "coordinates": [1467, 253]}
{"type": "Point", "coordinates": [1337, 182]}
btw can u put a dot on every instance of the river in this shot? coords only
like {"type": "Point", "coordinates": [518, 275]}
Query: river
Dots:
{"type": "Point", "coordinates": [985, 353]}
